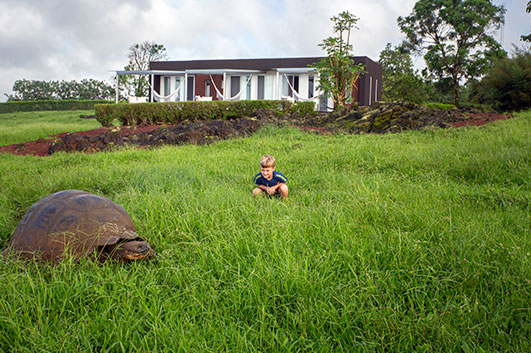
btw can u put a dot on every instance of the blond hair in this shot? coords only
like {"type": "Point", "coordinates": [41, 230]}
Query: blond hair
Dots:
{"type": "Point", "coordinates": [267, 161]}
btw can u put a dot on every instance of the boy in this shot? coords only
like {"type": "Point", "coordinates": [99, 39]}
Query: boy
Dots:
{"type": "Point", "coordinates": [270, 181]}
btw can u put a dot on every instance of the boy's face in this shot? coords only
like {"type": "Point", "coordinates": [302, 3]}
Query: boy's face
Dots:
{"type": "Point", "coordinates": [267, 172]}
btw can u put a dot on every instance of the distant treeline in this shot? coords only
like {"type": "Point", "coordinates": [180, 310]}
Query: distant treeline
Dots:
{"type": "Point", "coordinates": [86, 89]}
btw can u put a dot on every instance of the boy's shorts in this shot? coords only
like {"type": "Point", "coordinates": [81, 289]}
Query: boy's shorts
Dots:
{"type": "Point", "coordinates": [276, 194]}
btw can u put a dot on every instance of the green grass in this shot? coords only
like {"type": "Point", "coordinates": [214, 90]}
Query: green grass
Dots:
{"type": "Point", "coordinates": [408, 242]}
{"type": "Point", "coordinates": [28, 126]}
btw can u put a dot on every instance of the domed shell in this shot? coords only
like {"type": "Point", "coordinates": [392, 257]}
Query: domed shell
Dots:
{"type": "Point", "coordinates": [71, 221]}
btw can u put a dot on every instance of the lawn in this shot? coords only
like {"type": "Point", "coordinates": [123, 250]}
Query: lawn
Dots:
{"type": "Point", "coordinates": [29, 126]}
{"type": "Point", "coordinates": [418, 241]}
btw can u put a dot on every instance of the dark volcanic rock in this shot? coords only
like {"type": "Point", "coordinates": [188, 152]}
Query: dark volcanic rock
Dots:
{"type": "Point", "coordinates": [379, 118]}
{"type": "Point", "coordinates": [199, 132]}
{"type": "Point", "coordinates": [384, 117]}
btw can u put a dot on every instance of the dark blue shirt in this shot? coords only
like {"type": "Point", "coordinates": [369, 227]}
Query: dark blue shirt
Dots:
{"type": "Point", "coordinates": [277, 178]}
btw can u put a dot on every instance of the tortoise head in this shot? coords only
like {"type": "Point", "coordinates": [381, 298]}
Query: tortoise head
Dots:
{"type": "Point", "coordinates": [128, 250]}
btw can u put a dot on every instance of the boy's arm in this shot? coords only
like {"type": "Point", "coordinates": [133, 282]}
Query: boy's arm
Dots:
{"type": "Point", "coordinates": [256, 178]}
{"type": "Point", "coordinates": [274, 188]}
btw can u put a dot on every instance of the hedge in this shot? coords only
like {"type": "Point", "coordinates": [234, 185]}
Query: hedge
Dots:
{"type": "Point", "coordinates": [29, 106]}
{"type": "Point", "coordinates": [441, 106]}
{"type": "Point", "coordinates": [175, 112]}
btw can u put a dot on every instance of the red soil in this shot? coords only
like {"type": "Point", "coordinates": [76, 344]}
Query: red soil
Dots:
{"type": "Point", "coordinates": [315, 129]}
{"type": "Point", "coordinates": [40, 146]}
{"type": "Point", "coordinates": [478, 119]}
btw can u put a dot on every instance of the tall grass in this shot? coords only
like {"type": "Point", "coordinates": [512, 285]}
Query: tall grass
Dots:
{"type": "Point", "coordinates": [410, 242]}
{"type": "Point", "coordinates": [27, 126]}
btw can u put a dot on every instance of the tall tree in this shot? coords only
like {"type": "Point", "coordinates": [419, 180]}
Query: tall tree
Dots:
{"type": "Point", "coordinates": [400, 79]}
{"type": "Point", "coordinates": [456, 37]}
{"type": "Point", "coordinates": [338, 72]}
{"type": "Point", "coordinates": [528, 37]}
{"type": "Point", "coordinates": [507, 86]}
{"type": "Point", "coordinates": [140, 55]}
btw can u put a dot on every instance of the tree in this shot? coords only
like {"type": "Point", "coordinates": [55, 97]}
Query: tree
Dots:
{"type": "Point", "coordinates": [528, 37]}
{"type": "Point", "coordinates": [338, 72]}
{"type": "Point", "coordinates": [140, 55]}
{"type": "Point", "coordinates": [507, 86]}
{"type": "Point", "coordinates": [456, 36]}
{"type": "Point", "coordinates": [400, 80]}
{"type": "Point", "coordinates": [27, 90]}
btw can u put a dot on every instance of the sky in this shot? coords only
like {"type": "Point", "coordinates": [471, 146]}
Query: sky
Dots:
{"type": "Point", "coordinates": [87, 39]}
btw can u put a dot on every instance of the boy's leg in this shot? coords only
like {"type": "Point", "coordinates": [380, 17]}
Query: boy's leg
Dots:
{"type": "Point", "coordinates": [257, 192]}
{"type": "Point", "coordinates": [283, 191]}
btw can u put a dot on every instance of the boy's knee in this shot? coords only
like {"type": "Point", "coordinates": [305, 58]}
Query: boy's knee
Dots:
{"type": "Point", "coordinates": [283, 189]}
{"type": "Point", "coordinates": [257, 192]}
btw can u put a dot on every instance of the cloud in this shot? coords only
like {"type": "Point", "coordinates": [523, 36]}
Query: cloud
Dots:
{"type": "Point", "coordinates": [76, 39]}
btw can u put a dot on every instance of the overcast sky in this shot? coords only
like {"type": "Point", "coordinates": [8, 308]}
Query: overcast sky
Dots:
{"type": "Point", "coordinates": [77, 39]}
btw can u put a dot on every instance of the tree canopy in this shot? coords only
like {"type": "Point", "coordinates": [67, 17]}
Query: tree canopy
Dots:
{"type": "Point", "coordinates": [338, 72]}
{"type": "Point", "coordinates": [140, 55]}
{"type": "Point", "coordinates": [528, 37]}
{"type": "Point", "coordinates": [455, 36]}
{"type": "Point", "coordinates": [400, 80]}
{"type": "Point", "coordinates": [28, 90]}
{"type": "Point", "coordinates": [507, 86]}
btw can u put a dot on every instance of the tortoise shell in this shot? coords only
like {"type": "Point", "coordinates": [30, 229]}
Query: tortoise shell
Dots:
{"type": "Point", "coordinates": [78, 223]}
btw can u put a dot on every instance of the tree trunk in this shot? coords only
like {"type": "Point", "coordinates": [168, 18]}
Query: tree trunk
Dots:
{"type": "Point", "coordinates": [456, 90]}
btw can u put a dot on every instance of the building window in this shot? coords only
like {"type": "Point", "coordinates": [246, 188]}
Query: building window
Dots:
{"type": "Point", "coordinates": [293, 82]}
{"type": "Point", "coordinates": [248, 89]}
{"type": "Point", "coordinates": [234, 86]}
{"type": "Point", "coordinates": [260, 87]}
{"type": "Point", "coordinates": [310, 87]}
{"type": "Point", "coordinates": [190, 88]}
{"type": "Point", "coordinates": [376, 90]}
{"type": "Point", "coordinates": [167, 86]}
{"type": "Point", "coordinates": [370, 90]}
{"type": "Point", "coordinates": [178, 86]}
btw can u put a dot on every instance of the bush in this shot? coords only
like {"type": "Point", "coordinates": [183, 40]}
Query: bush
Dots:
{"type": "Point", "coordinates": [304, 108]}
{"type": "Point", "coordinates": [507, 86]}
{"type": "Point", "coordinates": [29, 106]}
{"type": "Point", "coordinates": [441, 106]}
{"type": "Point", "coordinates": [176, 112]}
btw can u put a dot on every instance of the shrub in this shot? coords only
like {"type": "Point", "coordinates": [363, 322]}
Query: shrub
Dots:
{"type": "Point", "coordinates": [441, 106]}
{"type": "Point", "coordinates": [304, 108]}
{"type": "Point", "coordinates": [175, 112]}
{"type": "Point", "coordinates": [29, 106]}
{"type": "Point", "coordinates": [507, 86]}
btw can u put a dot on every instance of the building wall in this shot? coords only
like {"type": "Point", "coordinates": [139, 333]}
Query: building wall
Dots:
{"type": "Point", "coordinates": [200, 81]}
{"type": "Point", "coordinates": [370, 86]}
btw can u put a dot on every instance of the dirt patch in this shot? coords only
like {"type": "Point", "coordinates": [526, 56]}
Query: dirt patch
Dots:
{"type": "Point", "coordinates": [380, 118]}
{"type": "Point", "coordinates": [478, 119]}
{"type": "Point", "coordinates": [41, 146]}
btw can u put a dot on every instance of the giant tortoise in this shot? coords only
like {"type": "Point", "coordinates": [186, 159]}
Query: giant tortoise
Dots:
{"type": "Point", "coordinates": [77, 223]}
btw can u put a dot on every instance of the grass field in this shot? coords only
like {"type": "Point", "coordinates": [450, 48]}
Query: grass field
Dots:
{"type": "Point", "coordinates": [29, 126]}
{"type": "Point", "coordinates": [412, 242]}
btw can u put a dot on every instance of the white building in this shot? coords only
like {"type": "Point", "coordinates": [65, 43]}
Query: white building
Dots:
{"type": "Point", "coordinates": [240, 79]}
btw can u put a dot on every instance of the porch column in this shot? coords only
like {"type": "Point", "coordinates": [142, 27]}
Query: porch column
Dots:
{"type": "Point", "coordinates": [151, 78]}
{"type": "Point", "coordinates": [117, 86]}
{"type": "Point", "coordinates": [277, 86]}
{"type": "Point", "coordinates": [224, 88]}
{"type": "Point", "coordinates": [185, 95]}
